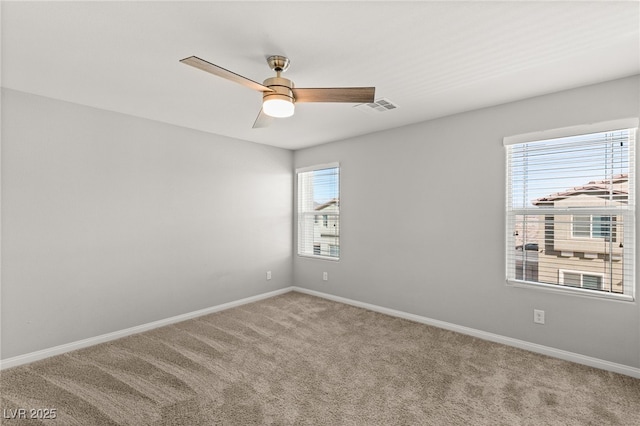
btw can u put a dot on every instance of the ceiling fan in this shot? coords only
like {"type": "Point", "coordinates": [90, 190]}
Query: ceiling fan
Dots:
{"type": "Point", "coordinates": [279, 94]}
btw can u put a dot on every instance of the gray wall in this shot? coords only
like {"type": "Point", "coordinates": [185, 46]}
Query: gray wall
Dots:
{"type": "Point", "coordinates": [111, 221]}
{"type": "Point", "coordinates": [423, 225]}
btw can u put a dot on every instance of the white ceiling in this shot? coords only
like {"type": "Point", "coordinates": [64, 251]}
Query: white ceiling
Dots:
{"type": "Point", "coordinates": [430, 58]}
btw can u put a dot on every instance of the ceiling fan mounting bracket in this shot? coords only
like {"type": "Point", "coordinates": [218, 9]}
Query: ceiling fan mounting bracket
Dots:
{"type": "Point", "coordinates": [278, 63]}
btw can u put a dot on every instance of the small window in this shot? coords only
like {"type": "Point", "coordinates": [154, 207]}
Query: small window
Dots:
{"type": "Point", "coordinates": [592, 226]}
{"type": "Point", "coordinates": [581, 279]}
{"type": "Point", "coordinates": [592, 282]}
{"type": "Point", "coordinates": [581, 226]}
{"type": "Point", "coordinates": [319, 211]}
{"type": "Point", "coordinates": [601, 226]}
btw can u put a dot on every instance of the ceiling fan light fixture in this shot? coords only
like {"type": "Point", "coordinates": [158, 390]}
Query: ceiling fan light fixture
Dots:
{"type": "Point", "coordinates": [278, 106]}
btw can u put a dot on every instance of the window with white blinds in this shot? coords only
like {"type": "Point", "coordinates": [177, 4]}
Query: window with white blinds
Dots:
{"type": "Point", "coordinates": [319, 211]}
{"type": "Point", "coordinates": [571, 209]}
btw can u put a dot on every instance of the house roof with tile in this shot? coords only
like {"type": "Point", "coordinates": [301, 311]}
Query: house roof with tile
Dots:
{"type": "Point", "coordinates": [327, 204]}
{"type": "Point", "coordinates": [617, 187]}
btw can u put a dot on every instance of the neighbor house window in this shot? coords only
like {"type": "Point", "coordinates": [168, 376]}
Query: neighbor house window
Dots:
{"type": "Point", "coordinates": [581, 279]}
{"type": "Point", "coordinates": [319, 196]}
{"type": "Point", "coordinates": [592, 226]}
{"type": "Point", "coordinates": [570, 209]}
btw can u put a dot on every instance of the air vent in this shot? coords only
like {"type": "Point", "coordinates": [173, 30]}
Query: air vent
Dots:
{"type": "Point", "coordinates": [381, 105]}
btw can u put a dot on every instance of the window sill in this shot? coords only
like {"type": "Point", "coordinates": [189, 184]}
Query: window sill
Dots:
{"type": "Point", "coordinates": [319, 257]}
{"type": "Point", "coordinates": [557, 288]}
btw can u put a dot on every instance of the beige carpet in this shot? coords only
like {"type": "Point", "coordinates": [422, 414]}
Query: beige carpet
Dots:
{"type": "Point", "coordinates": [298, 359]}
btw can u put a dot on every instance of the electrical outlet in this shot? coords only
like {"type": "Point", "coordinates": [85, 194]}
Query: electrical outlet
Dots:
{"type": "Point", "coordinates": [325, 276]}
{"type": "Point", "coordinates": [268, 275]}
{"type": "Point", "coordinates": [538, 316]}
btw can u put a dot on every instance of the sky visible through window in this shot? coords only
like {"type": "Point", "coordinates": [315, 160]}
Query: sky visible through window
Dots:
{"type": "Point", "coordinates": [573, 162]}
{"type": "Point", "coordinates": [326, 185]}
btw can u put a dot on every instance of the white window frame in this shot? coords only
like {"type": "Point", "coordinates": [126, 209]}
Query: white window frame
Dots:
{"type": "Point", "coordinates": [318, 218]}
{"type": "Point", "coordinates": [628, 215]}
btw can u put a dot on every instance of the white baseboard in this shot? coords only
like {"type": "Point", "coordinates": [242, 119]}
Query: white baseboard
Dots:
{"type": "Point", "coordinates": [533, 347]}
{"type": "Point", "coordinates": [521, 344]}
{"type": "Point", "coordinates": [58, 350]}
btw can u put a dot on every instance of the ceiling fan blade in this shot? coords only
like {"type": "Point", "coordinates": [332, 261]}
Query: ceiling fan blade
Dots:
{"type": "Point", "coordinates": [359, 95]}
{"type": "Point", "coordinates": [196, 62]}
{"type": "Point", "coordinates": [263, 120]}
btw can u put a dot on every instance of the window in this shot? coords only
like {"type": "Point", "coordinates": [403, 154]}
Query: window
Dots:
{"type": "Point", "coordinates": [592, 226]}
{"type": "Point", "coordinates": [581, 279]}
{"type": "Point", "coordinates": [570, 209]}
{"type": "Point", "coordinates": [581, 226]}
{"type": "Point", "coordinates": [319, 197]}
{"type": "Point", "coordinates": [601, 226]}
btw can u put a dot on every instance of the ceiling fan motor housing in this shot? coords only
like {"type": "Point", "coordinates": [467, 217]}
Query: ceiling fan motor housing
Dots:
{"type": "Point", "coordinates": [281, 89]}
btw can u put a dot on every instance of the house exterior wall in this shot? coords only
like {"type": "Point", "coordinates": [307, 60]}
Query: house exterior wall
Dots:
{"type": "Point", "coordinates": [326, 230]}
{"type": "Point", "coordinates": [565, 241]}
{"type": "Point", "coordinates": [563, 255]}
{"type": "Point", "coordinates": [551, 265]}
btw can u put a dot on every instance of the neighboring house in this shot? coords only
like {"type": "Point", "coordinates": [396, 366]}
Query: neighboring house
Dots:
{"type": "Point", "coordinates": [326, 229]}
{"type": "Point", "coordinates": [581, 250]}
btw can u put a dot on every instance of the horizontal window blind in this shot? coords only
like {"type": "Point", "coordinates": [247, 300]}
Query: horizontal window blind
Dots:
{"type": "Point", "coordinates": [319, 211]}
{"type": "Point", "coordinates": [570, 213]}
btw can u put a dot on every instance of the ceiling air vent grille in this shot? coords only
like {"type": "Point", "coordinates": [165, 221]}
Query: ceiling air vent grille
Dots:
{"type": "Point", "coordinates": [381, 105]}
